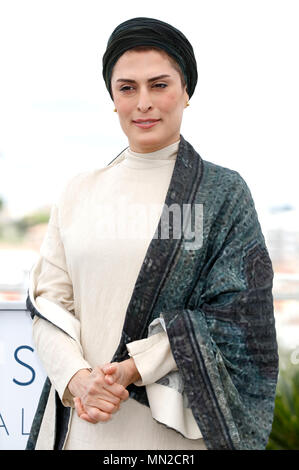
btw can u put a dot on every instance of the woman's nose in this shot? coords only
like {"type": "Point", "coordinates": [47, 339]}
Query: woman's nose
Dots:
{"type": "Point", "coordinates": [144, 102]}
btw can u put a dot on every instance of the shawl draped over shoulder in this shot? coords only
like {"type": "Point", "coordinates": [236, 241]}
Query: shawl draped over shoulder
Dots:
{"type": "Point", "coordinates": [215, 301]}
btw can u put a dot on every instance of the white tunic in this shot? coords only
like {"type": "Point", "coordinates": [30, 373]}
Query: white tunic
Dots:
{"type": "Point", "coordinates": [96, 242]}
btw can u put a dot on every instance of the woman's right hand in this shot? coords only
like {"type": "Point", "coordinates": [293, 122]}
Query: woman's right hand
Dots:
{"type": "Point", "coordinates": [95, 400]}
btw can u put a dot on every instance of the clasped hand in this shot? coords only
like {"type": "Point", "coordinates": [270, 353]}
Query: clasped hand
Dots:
{"type": "Point", "coordinates": [99, 394]}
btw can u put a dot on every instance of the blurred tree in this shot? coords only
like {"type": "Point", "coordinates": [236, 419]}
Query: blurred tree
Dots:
{"type": "Point", "coordinates": [285, 427]}
{"type": "Point", "coordinates": [39, 217]}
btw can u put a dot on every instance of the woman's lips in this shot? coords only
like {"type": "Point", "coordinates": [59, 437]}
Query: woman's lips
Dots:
{"type": "Point", "coordinates": [147, 124]}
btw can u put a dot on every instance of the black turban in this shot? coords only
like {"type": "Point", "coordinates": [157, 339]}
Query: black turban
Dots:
{"type": "Point", "coordinates": [150, 32]}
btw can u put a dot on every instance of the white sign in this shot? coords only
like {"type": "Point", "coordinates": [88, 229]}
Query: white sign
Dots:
{"type": "Point", "coordinates": [22, 377]}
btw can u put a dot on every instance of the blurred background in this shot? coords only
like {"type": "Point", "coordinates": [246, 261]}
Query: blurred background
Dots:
{"type": "Point", "coordinates": [57, 119]}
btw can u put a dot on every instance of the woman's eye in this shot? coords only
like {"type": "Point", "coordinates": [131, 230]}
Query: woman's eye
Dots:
{"type": "Point", "coordinates": [125, 88]}
{"type": "Point", "coordinates": [129, 88]}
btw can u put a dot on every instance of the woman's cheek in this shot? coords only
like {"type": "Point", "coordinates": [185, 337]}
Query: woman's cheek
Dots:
{"type": "Point", "coordinates": [170, 102]}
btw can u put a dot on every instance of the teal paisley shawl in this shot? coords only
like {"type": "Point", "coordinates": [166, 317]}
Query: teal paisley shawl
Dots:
{"type": "Point", "coordinates": [217, 306]}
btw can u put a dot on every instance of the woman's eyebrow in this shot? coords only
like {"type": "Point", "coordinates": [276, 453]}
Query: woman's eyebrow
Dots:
{"type": "Point", "coordinates": [128, 80]}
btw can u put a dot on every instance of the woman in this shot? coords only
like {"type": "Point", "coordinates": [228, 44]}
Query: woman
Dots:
{"type": "Point", "coordinates": [150, 340]}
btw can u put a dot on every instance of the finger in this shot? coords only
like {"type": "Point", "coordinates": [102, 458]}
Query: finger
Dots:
{"type": "Point", "coordinates": [86, 417]}
{"type": "Point", "coordinates": [109, 368]}
{"type": "Point", "coordinates": [116, 408]}
{"type": "Point", "coordinates": [104, 395]}
{"type": "Point", "coordinates": [115, 389]}
{"type": "Point", "coordinates": [97, 415]}
{"type": "Point", "coordinates": [125, 395]}
{"type": "Point", "coordinates": [102, 405]}
{"type": "Point", "coordinates": [93, 415]}
{"type": "Point", "coordinates": [81, 411]}
{"type": "Point", "coordinates": [110, 379]}
{"type": "Point", "coordinates": [113, 392]}
{"type": "Point", "coordinates": [78, 406]}
{"type": "Point", "coordinates": [102, 380]}
{"type": "Point", "coordinates": [121, 391]}
{"type": "Point", "coordinates": [100, 388]}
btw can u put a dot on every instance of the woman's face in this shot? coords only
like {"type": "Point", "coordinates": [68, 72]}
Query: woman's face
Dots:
{"type": "Point", "coordinates": [139, 95]}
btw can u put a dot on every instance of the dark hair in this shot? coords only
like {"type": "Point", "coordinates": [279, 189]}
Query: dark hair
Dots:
{"type": "Point", "coordinates": [150, 33]}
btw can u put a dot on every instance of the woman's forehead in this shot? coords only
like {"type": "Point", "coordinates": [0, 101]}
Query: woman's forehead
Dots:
{"type": "Point", "coordinates": [142, 64]}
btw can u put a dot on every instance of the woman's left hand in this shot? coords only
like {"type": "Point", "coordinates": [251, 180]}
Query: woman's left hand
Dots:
{"type": "Point", "coordinates": [123, 373]}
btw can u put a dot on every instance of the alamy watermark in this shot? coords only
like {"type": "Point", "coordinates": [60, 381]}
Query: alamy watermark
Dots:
{"type": "Point", "coordinates": [123, 220]}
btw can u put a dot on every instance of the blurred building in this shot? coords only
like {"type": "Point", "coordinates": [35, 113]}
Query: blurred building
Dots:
{"type": "Point", "coordinates": [282, 238]}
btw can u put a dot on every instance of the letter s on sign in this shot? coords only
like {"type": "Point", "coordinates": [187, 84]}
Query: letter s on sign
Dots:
{"type": "Point", "coordinates": [25, 365]}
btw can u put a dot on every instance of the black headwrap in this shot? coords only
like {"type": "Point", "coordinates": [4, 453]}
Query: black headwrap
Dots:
{"type": "Point", "coordinates": [144, 31]}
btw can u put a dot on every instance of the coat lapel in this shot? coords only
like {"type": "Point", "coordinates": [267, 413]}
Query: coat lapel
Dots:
{"type": "Point", "coordinates": [161, 253]}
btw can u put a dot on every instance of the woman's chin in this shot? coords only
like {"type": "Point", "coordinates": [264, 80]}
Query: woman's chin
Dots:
{"type": "Point", "coordinates": [145, 142]}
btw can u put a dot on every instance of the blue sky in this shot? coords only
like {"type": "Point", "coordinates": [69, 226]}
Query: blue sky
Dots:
{"type": "Point", "coordinates": [57, 119]}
